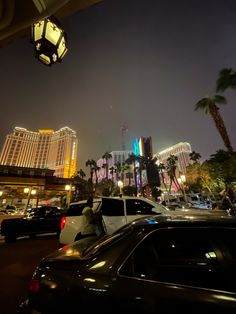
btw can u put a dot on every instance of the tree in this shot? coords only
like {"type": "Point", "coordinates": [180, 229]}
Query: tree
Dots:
{"type": "Point", "coordinates": [142, 164]}
{"type": "Point", "coordinates": [226, 79]}
{"type": "Point", "coordinates": [95, 170]}
{"type": "Point", "coordinates": [194, 156]}
{"type": "Point", "coordinates": [208, 105]}
{"type": "Point", "coordinates": [107, 156]}
{"type": "Point", "coordinates": [81, 174]}
{"type": "Point", "coordinates": [90, 163]}
{"type": "Point", "coordinates": [162, 168]}
{"type": "Point", "coordinates": [171, 171]}
{"type": "Point", "coordinates": [131, 160]}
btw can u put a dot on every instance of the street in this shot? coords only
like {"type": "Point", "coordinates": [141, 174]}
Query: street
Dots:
{"type": "Point", "coordinates": [17, 263]}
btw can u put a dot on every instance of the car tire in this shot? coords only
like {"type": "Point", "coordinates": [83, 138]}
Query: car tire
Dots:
{"type": "Point", "coordinates": [10, 238]}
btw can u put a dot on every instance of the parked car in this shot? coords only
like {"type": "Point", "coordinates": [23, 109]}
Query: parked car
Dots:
{"type": "Point", "coordinates": [45, 219]}
{"type": "Point", "coordinates": [115, 211]}
{"type": "Point", "coordinates": [156, 264]}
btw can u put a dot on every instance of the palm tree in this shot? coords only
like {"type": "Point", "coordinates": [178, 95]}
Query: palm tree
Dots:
{"type": "Point", "coordinates": [226, 79]}
{"type": "Point", "coordinates": [208, 105]}
{"type": "Point", "coordinates": [142, 163]}
{"type": "Point", "coordinates": [112, 171]}
{"type": "Point", "coordinates": [194, 156]}
{"type": "Point", "coordinates": [162, 168]}
{"type": "Point", "coordinates": [131, 160]}
{"type": "Point", "coordinates": [90, 163]}
{"type": "Point", "coordinates": [171, 171]}
{"type": "Point", "coordinates": [95, 170]}
{"type": "Point", "coordinates": [107, 156]}
{"type": "Point", "coordinates": [81, 174]}
{"type": "Point", "coordinates": [118, 170]}
{"type": "Point", "coordinates": [126, 169]}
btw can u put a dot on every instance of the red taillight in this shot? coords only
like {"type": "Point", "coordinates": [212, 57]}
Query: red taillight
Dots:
{"type": "Point", "coordinates": [63, 222]}
{"type": "Point", "coordinates": [34, 286]}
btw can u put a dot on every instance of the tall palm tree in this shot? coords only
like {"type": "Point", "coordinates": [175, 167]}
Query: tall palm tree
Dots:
{"type": "Point", "coordinates": [142, 164]}
{"type": "Point", "coordinates": [107, 156]}
{"type": "Point", "coordinates": [208, 105]}
{"type": "Point", "coordinates": [171, 171]}
{"type": "Point", "coordinates": [118, 170]}
{"type": "Point", "coordinates": [162, 168]}
{"type": "Point", "coordinates": [95, 170]}
{"type": "Point", "coordinates": [90, 163]}
{"type": "Point", "coordinates": [131, 160]}
{"type": "Point", "coordinates": [226, 79]}
{"type": "Point", "coordinates": [126, 169]}
{"type": "Point", "coordinates": [194, 156]}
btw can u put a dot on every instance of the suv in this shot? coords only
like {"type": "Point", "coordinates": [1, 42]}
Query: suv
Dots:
{"type": "Point", "coordinates": [116, 212]}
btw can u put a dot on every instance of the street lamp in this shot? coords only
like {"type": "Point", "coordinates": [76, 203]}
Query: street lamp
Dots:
{"type": "Point", "coordinates": [49, 40]}
{"type": "Point", "coordinates": [183, 178]}
{"type": "Point", "coordinates": [120, 185]}
{"type": "Point", "coordinates": [69, 188]}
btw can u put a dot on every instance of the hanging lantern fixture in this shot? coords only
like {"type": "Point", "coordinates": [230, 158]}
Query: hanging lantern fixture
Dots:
{"type": "Point", "coordinates": [49, 40]}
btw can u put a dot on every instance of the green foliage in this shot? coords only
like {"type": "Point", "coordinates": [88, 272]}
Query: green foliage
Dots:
{"type": "Point", "coordinates": [222, 167]}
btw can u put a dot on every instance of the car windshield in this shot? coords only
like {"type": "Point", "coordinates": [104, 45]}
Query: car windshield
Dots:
{"type": "Point", "coordinates": [107, 240]}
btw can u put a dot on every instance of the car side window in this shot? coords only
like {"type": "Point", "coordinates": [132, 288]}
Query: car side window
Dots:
{"type": "Point", "coordinates": [75, 210]}
{"type": "Point", "coordinates": [138, 207]}
{"type": "Point", "coordinates": [179, 256]}
{"type": "Point", "coordinates": [112, 207]}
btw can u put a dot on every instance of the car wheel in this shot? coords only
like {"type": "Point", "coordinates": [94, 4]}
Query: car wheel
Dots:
{"type": "Point", "coordinates": [9, 238]}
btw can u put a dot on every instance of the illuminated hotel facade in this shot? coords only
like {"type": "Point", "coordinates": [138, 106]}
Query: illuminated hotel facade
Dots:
{"type": "Point", "coordinates": [50, 149]}
{"type": "Point", "coordinates": [180, 150]}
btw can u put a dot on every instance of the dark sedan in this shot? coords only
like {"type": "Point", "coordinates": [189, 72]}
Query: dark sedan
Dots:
{"type": "Point", "coordinates": [152, 265]}
{"type": "Point", "coordinates": [45, 219]}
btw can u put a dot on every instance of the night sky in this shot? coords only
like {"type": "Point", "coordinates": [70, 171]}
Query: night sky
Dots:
{"type": "Point", "coordinates": [143, 63]}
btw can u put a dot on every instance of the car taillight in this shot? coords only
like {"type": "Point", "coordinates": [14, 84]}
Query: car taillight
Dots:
{"type": "Point", "coordinates": [34, 286]}
{"type": "Point", "coordinates": [63, 222]}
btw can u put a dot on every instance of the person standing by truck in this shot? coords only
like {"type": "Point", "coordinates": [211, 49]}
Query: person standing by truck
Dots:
{"type": "Point", "coordinates": [93, 224]}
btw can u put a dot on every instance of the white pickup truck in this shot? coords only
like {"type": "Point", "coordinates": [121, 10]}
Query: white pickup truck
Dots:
{"type": "Point", "coordinates": [116, 212]}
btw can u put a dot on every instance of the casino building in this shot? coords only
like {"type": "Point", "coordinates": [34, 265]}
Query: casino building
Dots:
{"type": "Point", "coordinates": [56, 150]}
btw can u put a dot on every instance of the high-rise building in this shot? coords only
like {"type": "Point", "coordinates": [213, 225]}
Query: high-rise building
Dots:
{"type": "Point", "coordinates": [51, 149]}
{"type": "Point", "coordinates": [181, 150]}
{"type": "Point", "coordinates": [143, 147]}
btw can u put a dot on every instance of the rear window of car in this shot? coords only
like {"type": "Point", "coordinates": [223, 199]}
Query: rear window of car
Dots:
{"type": "Point", "coordinates": [77, 209]}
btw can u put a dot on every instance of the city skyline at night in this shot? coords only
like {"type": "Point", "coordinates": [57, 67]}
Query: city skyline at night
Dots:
{"type": "Point", "coordinates": [139, 63]}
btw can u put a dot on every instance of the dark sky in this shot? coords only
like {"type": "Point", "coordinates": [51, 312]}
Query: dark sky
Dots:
{"type": "Point", "coordinates": [144, 63]}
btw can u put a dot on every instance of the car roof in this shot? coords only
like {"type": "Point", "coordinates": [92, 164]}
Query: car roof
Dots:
{"type": "Point", "coordinates": [184, 220]}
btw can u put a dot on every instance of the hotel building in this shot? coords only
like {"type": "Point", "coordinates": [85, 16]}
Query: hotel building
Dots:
{"type": "Point", "coordinates": [50, 149]}
{"type": "Point", "coordinates": [181, 150]}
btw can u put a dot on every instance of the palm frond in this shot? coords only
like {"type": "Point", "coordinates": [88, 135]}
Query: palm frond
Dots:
{"type": "Point", "coordinates": [219, 99]}
{"type": "Point", "coordinates": [226, 79]}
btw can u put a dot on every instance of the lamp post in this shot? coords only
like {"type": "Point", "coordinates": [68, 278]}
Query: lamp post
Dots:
{"type": "Point", "coordinates": [120, 185]}
{"type": "Point", "coordinates": [69, 188]}
{"type": "Point", "coordinates": [49, 40]}
{"type": "Point", "coordinates": [30, 191]}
